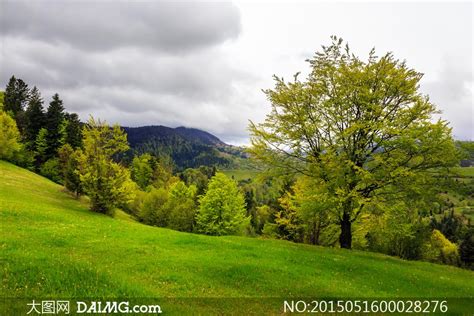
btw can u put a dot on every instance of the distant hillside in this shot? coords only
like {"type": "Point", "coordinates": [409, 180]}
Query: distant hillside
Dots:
{"type": "Point", "coordinates": [189, 147]}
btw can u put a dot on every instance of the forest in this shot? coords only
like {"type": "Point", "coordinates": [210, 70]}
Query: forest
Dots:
{"type": "Point", "coordinates": [350, 157]}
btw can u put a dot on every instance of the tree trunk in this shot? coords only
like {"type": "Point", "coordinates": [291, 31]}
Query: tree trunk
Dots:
{"type": "Point", "coordinates": [345, 239]}
{"type": "Point", "coordinates": [313, 233]}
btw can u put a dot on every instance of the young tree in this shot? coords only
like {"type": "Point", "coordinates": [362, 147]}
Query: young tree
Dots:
{"type": "Point", "coordinates": [41, 146]}
{"type": "Point", "coordinates": [9, 136]}
{"type": "Point", "coordinates": [69, 165]}
{"type": "Point", "coordinates": [142, 171]}
{"type": "Point", "coordinates": [51, 169]}
{"type": "Point", "coordinates": [182, 206]}
{"type": "Point", "coordinates": [105, 182]}
{"type": "Point", "coordinates": [55, 126]}
{"type": "Point", "coordinates": [360, 129]}
{"type": "Point", "coordinates": [222, 208]}
{"type": "Point", "coordinates": [34, 117]}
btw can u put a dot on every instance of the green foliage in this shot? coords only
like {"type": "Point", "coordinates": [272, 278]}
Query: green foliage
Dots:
{"type": "Point", "coordinates": [361, 129]}
{"type": "Point", "coordinates": [450, 225]}
{"type": "Point", "coordinates": [289, 225]}
{"type": "Point", "coordinates": [466, 249]}
{"type": "Point", "coordinates": [55, 126]}
{"type": "Point", "coordinates": [105, 182]}
{"type": "Point", "coordinates": [466, 149]}
{"type": "Point", "coordinates": [34, 117]}
{"type": "Point", "coordinates": [314, 211]}
{"type": "Point", "coordinates": [173, 206]}
{"type": "Point", "coordinates": [73, 130]}
{"type": "Point", "coordinates": [198, 177]}
{"type": "Point", "coordinates": [222, 208]}
{"type": "Point", "coordinates": [9, 137]}
{"type": "Point", "coordinates": [154, 209]}
{"type": "Point", "coordinates": [182, 206]}
{"type": "Point", "coordinates": [41, 144]}
{"type": "Point", "coordinates": [15, 99]}
{"type": "Point", "coordinates": [142, 171]}
{"type": "Point", "coordinates": [69, 165]}
{"type": "Point", "coordinates": [440, 249]}
{"type": "Point", "coordinates": [398, 231]}
{"type": "Point", "coordinates": [2, 95]}
{"type": "Point", "coordinates": [51, 169]}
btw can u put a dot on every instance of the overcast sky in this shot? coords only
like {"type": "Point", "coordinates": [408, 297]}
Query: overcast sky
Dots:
{"type": "Point", "coordinates": [203, 64]}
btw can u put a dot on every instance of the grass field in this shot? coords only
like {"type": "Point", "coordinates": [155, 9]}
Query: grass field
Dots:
{"type": "Point", "coordinates": [466, 171]}
{"type": "Point", "coordinates": [52, 246]}
{"type": "Point", "coordinates": [240, 174]}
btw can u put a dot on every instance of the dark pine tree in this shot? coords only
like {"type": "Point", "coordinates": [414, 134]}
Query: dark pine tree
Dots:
{"type": "Point", "coordinates": [54, 121]}
{"type": "Point", "coordinates": [73, 130]}
{"type": "Point", "coordinates": [15, 98]}
{"type": "Point", "coordinates": [34, 118]}
{"type": "Point", "coordinates": [466, 249]}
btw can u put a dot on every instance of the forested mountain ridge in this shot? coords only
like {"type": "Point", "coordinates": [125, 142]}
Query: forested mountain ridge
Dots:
{"type": "Point", "coordinates": [188, 147]}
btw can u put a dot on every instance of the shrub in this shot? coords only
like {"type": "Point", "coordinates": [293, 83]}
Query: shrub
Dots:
{"type": "Point", "coordinates": [153, 211]}
{"type": "Point", "coordinates": [440, 249]}
{"type": "Point", "coordinates": [51, 170]}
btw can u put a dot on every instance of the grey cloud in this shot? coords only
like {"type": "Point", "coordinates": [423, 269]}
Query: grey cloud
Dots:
{"type": "Point", "coordinates": [106, 25]}
{"type": "Point", "coordinates": [201, 76]}
{"type": "Point", "coordinates": [452, 93]}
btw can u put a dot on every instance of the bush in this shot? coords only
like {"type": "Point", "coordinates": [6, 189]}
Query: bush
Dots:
{"type": "Point", "coordinates": [51, 170]}
{"type": "Point", "coordinates": [154, 210]}
{"type": "Point", "coordinates": [399, 233]}
{"type": "Point", "coordinates": [270, 230]}
{"type": "Point", "coordinates": [440, 249]}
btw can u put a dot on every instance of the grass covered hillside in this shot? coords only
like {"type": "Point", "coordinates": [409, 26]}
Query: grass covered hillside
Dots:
{"type": "Point", "coordinates": [51, 245]}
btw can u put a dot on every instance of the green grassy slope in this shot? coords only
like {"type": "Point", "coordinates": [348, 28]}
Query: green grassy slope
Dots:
{"type": "Point", "coordinates": [52, 246]}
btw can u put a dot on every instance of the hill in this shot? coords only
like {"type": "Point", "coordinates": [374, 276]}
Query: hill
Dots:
{"type": "Point", "coordinates": [189, 147]}
{"type": "Point", "coordinates": [52, 246]}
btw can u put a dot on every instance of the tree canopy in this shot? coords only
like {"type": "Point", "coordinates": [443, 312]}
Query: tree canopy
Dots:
{"type": "Point", "coordinates": [106, 182]}
{"type": "Point", "coordinates": [222, 208]}
{"type": "Point", "coordinates": [361, 130]}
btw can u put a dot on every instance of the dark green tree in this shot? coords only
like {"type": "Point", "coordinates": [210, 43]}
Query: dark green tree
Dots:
{"type": "Point", "coordinates": [54, 124]}
{"type": "Point", "coordinates": [15, 99]}
{"type": "Point", "coordinates": [73, 130]}
{"type": "Point", "coordinates": [466, 248]}
{"type": "Point", "coordinates": [41, 146]}
{"type": "Point", "coordinates": [34, 118]}
{"type": "Point", "coordinates": [69, 166]}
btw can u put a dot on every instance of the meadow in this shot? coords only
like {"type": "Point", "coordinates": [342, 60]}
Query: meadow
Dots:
{"type": "Point", "coordinates": [53, 246]}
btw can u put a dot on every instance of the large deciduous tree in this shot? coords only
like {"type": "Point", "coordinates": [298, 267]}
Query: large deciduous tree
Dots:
{"type": "Point", "coordinates": [361, 130]}
{"type": "Point", "coordinates": [106, 182]}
